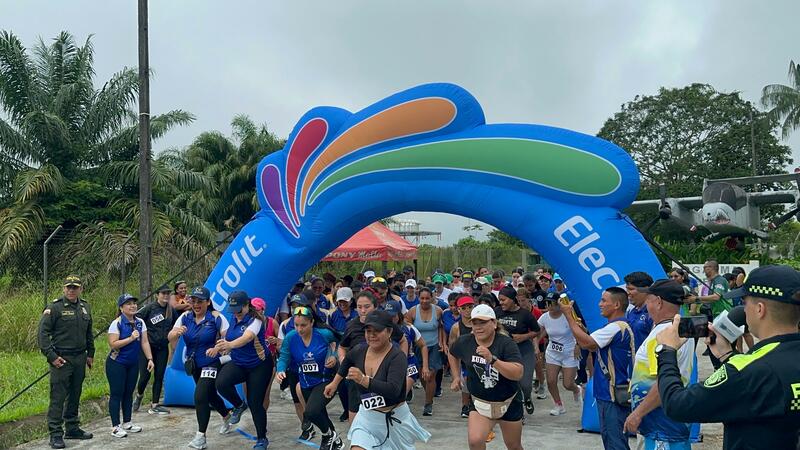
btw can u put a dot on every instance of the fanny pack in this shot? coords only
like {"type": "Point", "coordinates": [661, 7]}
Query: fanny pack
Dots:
{"type": "Point", "coordinates": [492, 410]}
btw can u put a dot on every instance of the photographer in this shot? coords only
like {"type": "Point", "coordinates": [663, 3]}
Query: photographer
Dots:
{"type": "Point", "coordinates": [755, 395]}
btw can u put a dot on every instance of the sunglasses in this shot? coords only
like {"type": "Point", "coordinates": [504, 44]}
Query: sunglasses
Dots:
{"type": "Point", "coordinates": [466, 307]}
{"type": "Point", "coordinates": [302, 311]}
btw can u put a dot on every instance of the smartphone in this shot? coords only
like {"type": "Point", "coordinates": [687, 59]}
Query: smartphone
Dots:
{"type": "Point", "coordinates": [693, 327]}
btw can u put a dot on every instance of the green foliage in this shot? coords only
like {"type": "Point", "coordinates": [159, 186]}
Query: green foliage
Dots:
{"type": "Point", "coordinates": [784, 101]}
{"type": "Point", "coordinates": [696, 253]}
{"type": "Point", "coordinates": [501, 237]}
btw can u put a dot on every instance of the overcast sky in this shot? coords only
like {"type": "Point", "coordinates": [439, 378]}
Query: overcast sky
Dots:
{"type": "Point", "coordinates": [525, 61]}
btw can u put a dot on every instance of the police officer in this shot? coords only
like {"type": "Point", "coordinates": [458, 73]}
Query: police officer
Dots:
{"type": "Point", "coordinates": [66, 339]}
{"type": "Point", "coordinates": [755, 395]}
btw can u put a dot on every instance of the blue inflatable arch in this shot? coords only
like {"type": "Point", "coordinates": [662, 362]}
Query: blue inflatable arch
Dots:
{"type": "Point", "coordinates": [429, 149]}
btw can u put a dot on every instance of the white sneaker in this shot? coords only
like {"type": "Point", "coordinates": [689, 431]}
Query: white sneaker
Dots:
{"type": "Point", "coordinates": [540, 393]}
{"type": "Point", "coordinates": [118, 432]}
{"type": "Point", "coordinates": [417, 385]}
{"type": "Point", "coordinates": [131, 428]}
{"type": "Point", "coordinates": [199, 441]}
{"type": "Point", "coordinates": [225, 428]}
{"type": "Point", "coordinates": [558, 410]}
{"type": "Point", "coordinates": [578, 395]}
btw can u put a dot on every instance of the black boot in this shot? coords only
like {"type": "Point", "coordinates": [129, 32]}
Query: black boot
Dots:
{"type": "Point", "coordinates": [77, 433]}
{"type": "Point", "coordinates": [57, 442]}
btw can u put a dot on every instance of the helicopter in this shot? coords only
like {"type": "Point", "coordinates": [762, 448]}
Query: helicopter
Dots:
{"type": "Point", "coordinates": [724, 209]}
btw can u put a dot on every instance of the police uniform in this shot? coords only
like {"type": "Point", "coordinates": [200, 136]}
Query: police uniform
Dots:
{"type": "Point", "coordinates": [755, 395]}
{"type": "Point", "coordinates": [65, 330]}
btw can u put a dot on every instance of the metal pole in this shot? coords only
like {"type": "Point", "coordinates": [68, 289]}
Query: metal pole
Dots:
{"type": "Point", "coordinates": [124, 244]}
{"type": "Point", "coordinates": [752, 139]}
{"type": "Point", "coordinates": [44, 264]}
{"type": "Point", "coordinates": [145, 194]}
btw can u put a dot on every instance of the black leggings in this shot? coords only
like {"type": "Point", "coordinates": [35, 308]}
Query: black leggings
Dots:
{"type": "Point", "coordinates": [205, 398]}
{"type": "Point", "coordinates": [121, 383]}
{"type": "Point", "coordinates": [257, 378]}
{"type": "Point", "coordinates": [316, 411]}
{"type": "Point", "coordinates": [160, 354]}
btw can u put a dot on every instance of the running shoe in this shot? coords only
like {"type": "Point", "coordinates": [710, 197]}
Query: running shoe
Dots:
{"type": "Point", "coordinates": [199, 441]}
{"type": "Point", "coordinates": [131, 428]}
{"type": "Point", "coordinates": [225, 428]}
{"type": "Point", "coordinates": [261, 444]}
{"type": "Point", "coordinates": [410, 396]}
{"type": "Point", "coordinates": [137, 402]}
{"type": "Point", "coordinates": [418, 385]}
{"type": "Point", "coordinates": [158, 410]}
{"type": "Point", "coordinates": [331, 441]}
{"type": "Point", "coordinates": [578, 395]}
{"type": "Point", "coordinates": [438, 392]}
{"type": "Point", "coordinates": [344, 416]}
{"type": "Point", "coordinates": [428, 410]}
{"type": "Point", "coordinates": [490, 436]}
{"type": "Point", "coordinates": [465, 411]}
{"type": "Point", "coordinates": [558, 410]}
{"type": "Point", "coordinates": [540, 393]}
{"type": "Point", "coordinates": [308, 432]}
{"type": "Point", "coordinates": [236, 414]}
{"type": "Point", "coordinates": [529, 406]}
{"type": "Point", "coordinates": [118, 432]}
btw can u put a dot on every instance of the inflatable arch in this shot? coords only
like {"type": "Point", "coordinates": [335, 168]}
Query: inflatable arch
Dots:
{"type": "Point", "coordinates": [429, 149]}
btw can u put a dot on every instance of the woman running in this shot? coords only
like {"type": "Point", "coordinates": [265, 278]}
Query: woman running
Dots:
{"type": "Point", "coordinates": [271, 336]}
{"type": "Point", "coordinates": [378, 371]}
{"type": "Point", "coordinates": [494, 368]}
{"type": "Point", "coordinates": [345, 312]}
{"type": "Point", "coordinates": [463, 328]}
{"type": "Point", "coordinates": [414, 337]}
{"type": "Point", "coordinates": [309, 350]}
{"type": "Point", "coordinates": [523, 329]}
{"type": "Point", "coordinates": [250, 362]}
{"type": "Point", "coordinates": [127, 336]}
{"type": "Point", "coordinates": [160, 317]}
{"type": "Point", "coordinates": [561, 354]}
{"type": "Point", "coordinates": [427, 317]}
{"type": "Point", "coordinates": [525, 302]}
{"type": "Point", "coordinates": [200, 328]}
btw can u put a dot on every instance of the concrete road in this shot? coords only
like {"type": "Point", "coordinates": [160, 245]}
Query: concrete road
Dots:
{"type": "Point", "coordinates": [541, 430]}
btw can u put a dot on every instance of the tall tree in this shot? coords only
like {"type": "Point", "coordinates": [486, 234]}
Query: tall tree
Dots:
{"type": "Point", "coordinates": [57, 133]}
{"type": "Point", "coordinates": [784, 101]}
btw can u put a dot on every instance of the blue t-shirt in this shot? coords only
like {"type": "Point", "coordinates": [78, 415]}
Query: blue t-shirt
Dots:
{"type": "Point", "coordinates": [254, 352]}
{"type": "Point", "coordinates": [641, 324]}
{"type": "Point", "coordinates": [613, 341]}
{"type": "Point", "coordinates": [200, 337]}
{"type": "Point", "coordinates": [448, 320]}
{"type": "Point", "coordinates": [409, 304]}
{"type": "Point", "coordinates": [308, 361]}
{"type": "Point", "coordinates": [323, 302]}
{"type": "Point", "coordinates": [338, 321]}
{"type": "Point", "coordinates": [129, 354]}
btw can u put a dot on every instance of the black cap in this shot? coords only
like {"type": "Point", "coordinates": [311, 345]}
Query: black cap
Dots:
{"type": "Point", "coordinates": [300, 299]}
{"type": "Point", "coordinates": [125, 298]}
{"type": "Point", "coordinates": [380, 320]}
{"type": "Point", "coordinates": [551, 297]}
{"type": "Point", "coordinates": [357, 285]}
{"type": "Point", "coordinates": [237, 300]}
{"type": "Point", "coordinates": [72, 280]}
{"type": "Point", "coordinates": [668, 290]}
{"type": "Point", "coordinates": [476, 288]}
{"type": "Point", "coordinates": [200, 292]}
{"type": "Point", "coordinates": [164, 288]}
{"type": "Point", "coordinates": [777, 283]}
{"type": "Point", "coordinates": [408, 269]}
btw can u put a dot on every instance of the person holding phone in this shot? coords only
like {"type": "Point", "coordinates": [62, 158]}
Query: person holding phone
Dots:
{"type": "Point", "coordinates": [755, 395]}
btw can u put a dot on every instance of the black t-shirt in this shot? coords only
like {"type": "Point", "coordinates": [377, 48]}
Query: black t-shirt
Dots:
{"type": "Point", "coordinates": [537, 298]}
{"type": "Point", "coordinates": [354, 334]}
{"type": "Point", "coordinates": [517, 322]}
{"type": "Point", "coordinates": [483, 381]}
{"type": "Point", "coordinates": [390, 378]}
{"type": "Point", "coordinates": [158, 325]}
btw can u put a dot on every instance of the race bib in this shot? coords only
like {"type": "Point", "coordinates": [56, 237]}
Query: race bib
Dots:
{"type": "Point", "coordinates": [372, 401]}
{"type": "Point", "coordinates": [309, 367]}
{"type": "Point", "coordinates": [412, 370]}
{"type": "Point", "coordinates": [155, 319]}
{"type": "Point", "coordinates": [208, 372]}
{"type": "Point", "coordinates": [556, 346]}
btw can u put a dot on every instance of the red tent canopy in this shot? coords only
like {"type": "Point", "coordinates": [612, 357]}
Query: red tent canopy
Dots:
{"type": "Point", "coordinates": [374, 243]}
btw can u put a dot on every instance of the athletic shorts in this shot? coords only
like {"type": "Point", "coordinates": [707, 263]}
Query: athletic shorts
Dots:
{"type": "Point", "coordinates": [562, 359]}
{"type": "Point", "coordinates": [513, 413]}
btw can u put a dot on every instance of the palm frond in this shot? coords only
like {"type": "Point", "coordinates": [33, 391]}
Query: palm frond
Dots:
{"type": "Point", "coordinates": [20, 226]}
{"type": "Point", "coordinates": [110, 109]}
{"type": "Point", "coordinates": [191, 225]}
{"type": "Point", "coordinates": [14, 145]}
{"type": "Point", "coordinates": [33, 183]}
{"type": "Point", "coordinates": [18, 86]}
{"type": "Point", "coordinates": [162, 123]}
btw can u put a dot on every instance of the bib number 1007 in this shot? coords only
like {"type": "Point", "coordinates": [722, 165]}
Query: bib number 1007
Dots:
{"type": "Point", "coordinates": [372, 401]}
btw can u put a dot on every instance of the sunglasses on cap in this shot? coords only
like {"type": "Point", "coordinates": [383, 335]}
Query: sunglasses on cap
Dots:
{"type": "Point", "coordinates": [378, 280]}
{"type": "Point", "coordinates": [302, 311]}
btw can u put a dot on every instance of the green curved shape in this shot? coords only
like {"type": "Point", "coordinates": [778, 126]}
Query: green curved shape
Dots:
{"type": "Point", "coordinates": [582, 173]}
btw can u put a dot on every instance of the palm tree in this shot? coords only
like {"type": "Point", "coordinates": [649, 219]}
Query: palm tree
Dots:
{"type": "Point", "coordinates": [58, 134]}
{"type": "Point", "coordinates": [784, 101]}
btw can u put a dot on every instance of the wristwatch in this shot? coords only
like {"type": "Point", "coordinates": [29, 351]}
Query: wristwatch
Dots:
{"type": "Point", "coordinates": [660, 348]}
{"type": "Point", "coordinates": [494, 359]}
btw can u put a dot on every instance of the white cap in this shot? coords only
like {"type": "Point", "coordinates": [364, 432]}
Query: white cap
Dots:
{"type": "Point", "coordinates": [411, 282]}
{"type": "Point", "coordinates": [483, 312]}
{"type": "Point", "coordinates": [369, 274]}
{"type": "Point", "coordinates": [344, 293]}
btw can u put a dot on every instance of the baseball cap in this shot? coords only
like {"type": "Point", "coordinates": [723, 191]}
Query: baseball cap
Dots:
{"type": "Point", "coordinates": [164, 288]}
{"type": "Point", "coordinates": [772, 282]}
{"type": "Point", "coordinates": [357, 285]}
{"type": "Point", "coordinates": [556, 277]}
{"type": "Point", "coordinates": [465, 301]}
{"type": "Point", "coordinates": [411, 283]}
{"type": "Point", "coordinates": [378, 282]}
{"type": "Point", "coordinates": [551, 297]}
{"type": "Point", "coordinates": [72, 280]}
{"type": "Point", "coordinates": [483, 312]}
{"type": "Point", "coordinates": [369, 273]}
{"type": "Point", "coordinates": [448, 278]}
{"type": "Point", "coordinates": [408, 269]}
{"type": "Point", "coordinates": [482, 280]}
{"type": "Point", "coordinates": [300, 299]}
{"type": "Point", "coordinates": [237, 300]}
{"type": "Point", "coordinates": [200, 292]}
{"type": "Point", "coordinates": [438, 278]}
{"type": "Point", "coordinates": [125, 298]}
{"type": "Point", "coordinates": [467, 275]}
{"type": "Point", "coordinates": [668, 290]}
{"type": "Point", "coordinates": [258, 303]}
{"type": "Point", "coordinates": [392, 306]}
{"type": "Point", "coordinates": [380, 320]}
{"type": "Point", "coordinates": [546, 275]}
{"type": "Point", "coordinates": [344, 293]}
{"type": "Point", "coordinates": [476, 288]}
